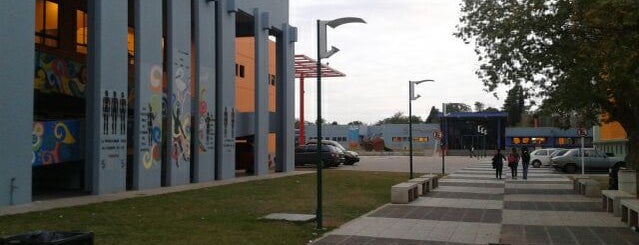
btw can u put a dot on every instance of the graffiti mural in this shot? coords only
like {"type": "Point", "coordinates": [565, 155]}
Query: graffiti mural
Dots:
{"type": "Point", "coordinates": [56, 142]}
{"type": "Point", "coordinates": [151, 121]}
{"type": "Point", "coordinates": [57, 75]}
{"type": "Point", "coordinates": [206, 125]}
{"type": "Point", "coordinates": [180, 111]}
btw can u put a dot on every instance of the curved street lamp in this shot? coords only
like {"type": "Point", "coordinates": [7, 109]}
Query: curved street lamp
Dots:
{"type": "Point", "coordinates": [411, 97]}
{"type": "Point", "coordinates": [322, 52]}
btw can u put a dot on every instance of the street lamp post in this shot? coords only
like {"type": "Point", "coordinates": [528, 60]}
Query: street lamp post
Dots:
{"type": "Point", "coordinates": [322, 52]}
{"type": "Point", "coordinates": [411, 97]}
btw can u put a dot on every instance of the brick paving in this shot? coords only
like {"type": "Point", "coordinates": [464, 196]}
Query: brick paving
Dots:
{"type": "Point", "coordinates": [472, 207]}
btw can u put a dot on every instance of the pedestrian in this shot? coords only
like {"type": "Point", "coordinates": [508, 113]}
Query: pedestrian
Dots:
{"type": "Point", "coordinates": [513, 160]}
{"type": "Point", "coordinates": [498, 163]}
{"type": "Point", "coordinates": [525, 160]}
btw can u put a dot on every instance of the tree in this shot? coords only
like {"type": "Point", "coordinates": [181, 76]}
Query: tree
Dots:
{"type": "Point", "coordinates": [356, 123]}
{"type": "Point", "coordinates": [457, 107]}
{"type": "Point", "coordinates": [514, 105]}
{"type": "Point", "coordinates": [580, 57]}
{"type": "Point", "coordinates": [491, 109]}
{"type": "Point", "coordinates": [334, 123]}
{"type": "Point", "coordinates": [399, 118]}
{"type": "Point", "coordinates": [479, 107]}
{"type": "Point", "coordinates": [433, 115]}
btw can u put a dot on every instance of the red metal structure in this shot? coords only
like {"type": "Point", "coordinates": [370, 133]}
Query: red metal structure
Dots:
{"type": "Point", "coordinates": [307, 67]}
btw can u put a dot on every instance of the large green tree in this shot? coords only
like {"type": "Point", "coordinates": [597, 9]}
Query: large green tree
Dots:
{"type": "Point", "coordinates": [433, 115]}
{"type": "Point", "coordinates": [514, 105]}
{"type": "Point", "coordinates": [399, 118]}
{"type": "Point", "coordinates": [457, 107]}
{"type": "Point", "coordinates": [580, 57]}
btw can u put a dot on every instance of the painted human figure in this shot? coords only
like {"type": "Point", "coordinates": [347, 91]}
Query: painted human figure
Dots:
{"type": "Point", "coordinates": [149, 124]}
{"type": "Point", "coordinates": [233, 122]}
{"type": "Point", "coordinates": [114, 113]}
{"type": "Point", "coordinates": [123, 112]}
{"type": "Point", "coordinates": [226, 121]}
{"type": "Point", "coordinates": [106, 108]}
{"type": "Point", "coordinates": [208, 120]}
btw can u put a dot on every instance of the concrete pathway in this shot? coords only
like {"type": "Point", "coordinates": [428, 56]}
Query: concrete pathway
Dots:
{"type": "Point", "coordinates": [471, 206]}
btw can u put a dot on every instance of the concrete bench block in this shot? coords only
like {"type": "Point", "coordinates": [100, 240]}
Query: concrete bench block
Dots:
{"type": "Point", "coordinates": [576, 185]}
{"type": "Point", "coordinates": [629, 211]}
{"type": "Point", "coordinates": [611, 200]}
{"type": "Point", "coordinates": [404, 193]}
{"type": "Point", "coordinates": [434, 180]}
{"type": "Point", "coordinates": [423, 185]}
{"type": "Point", "coordinates": [589, 188]}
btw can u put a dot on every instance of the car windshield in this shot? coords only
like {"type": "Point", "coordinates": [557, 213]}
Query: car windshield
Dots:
{"type": "Point", "coordinates": [560, 153]}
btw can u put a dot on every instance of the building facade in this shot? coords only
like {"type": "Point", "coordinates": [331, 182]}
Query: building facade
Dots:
{"type": "Point", "coordinates": [545, 137]}
{"type": "Point", "coordinates": [611, 138]}
{"type": "Point", "coordinates": [130, 94]}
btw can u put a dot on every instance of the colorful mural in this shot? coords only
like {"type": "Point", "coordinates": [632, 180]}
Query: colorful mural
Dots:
{"type": "Point", "coordinates": [57, 75]}
{"type": "Point", "coordinates": [353, 138]}
{"type": "Point", "coordinates": [206, 125]}
{"type": "Point", "coordinates": [181, 107]}
{"type": "Point", "coordinates": [153, 155]}
{"type": "Point", "coordinates": [56, 142]}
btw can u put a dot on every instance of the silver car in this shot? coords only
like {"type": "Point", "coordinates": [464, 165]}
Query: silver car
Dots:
{"type": "Point", "coordinates": [542, 157]}
{"type": "Point", "coordinates": [570, 161]}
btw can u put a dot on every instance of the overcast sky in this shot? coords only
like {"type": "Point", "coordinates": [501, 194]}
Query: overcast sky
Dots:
{"type": "Point", "coordinates": [403, 40]}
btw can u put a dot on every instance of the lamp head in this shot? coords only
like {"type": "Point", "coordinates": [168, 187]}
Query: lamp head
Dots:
{"type": "Point", "coordinates": [338, 22]}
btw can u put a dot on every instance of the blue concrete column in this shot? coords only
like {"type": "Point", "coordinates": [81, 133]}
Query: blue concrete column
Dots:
{"type": "Point", "coordinates": [261, 118]}
{"type": "Point", "coordinates": [204, 106]}
{"type": "Point", "coordinates": [178, 50]}
{"type": "Point", "coordinates": [107, 95]}
{"type": "Point", "coordinates": [17, 26]}
{"type": "Point", "coordinates": [226, 112]}
{"type": "Point", "coordinates": [147, 154]}
{"type": "Point", "coordinates": [285, 94]}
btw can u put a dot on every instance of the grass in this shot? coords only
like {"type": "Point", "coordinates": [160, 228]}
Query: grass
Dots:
{"type": "Point", "coordinates": [220, 215]}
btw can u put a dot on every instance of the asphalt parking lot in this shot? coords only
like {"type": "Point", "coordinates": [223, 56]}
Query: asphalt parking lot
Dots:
{"type": "Point", "coordinates": [421, 164]}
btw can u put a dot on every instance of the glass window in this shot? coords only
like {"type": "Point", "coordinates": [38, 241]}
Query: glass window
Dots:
{"type": "Point", "coordinates": [525, 140]}
{"type": "Point", "coordinates": [46, 23]}
{"type": "Point", "coordinates": [241, 71]}
{"type": "Point", "coordinates": [539, 141]}
{"type": "Point", "coordinates": [81, 33]}
{"type": "Point", "coordinates": [516, 141]}
{"type": "Point", "coordinates": [271, 79]}
{"type": "Point", "coordinates": [541, 153]}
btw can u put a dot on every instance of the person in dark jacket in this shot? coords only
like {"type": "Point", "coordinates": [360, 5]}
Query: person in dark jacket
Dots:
{"type": "Point", "coordinates": [525, 160]}
{"type": "Point", "coordinates": [498, 163]}
{"type": "Point", "coordinates": [513, 160]}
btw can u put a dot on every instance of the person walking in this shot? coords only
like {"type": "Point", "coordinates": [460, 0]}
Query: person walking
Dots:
{"type": "Point", "coordinates": [513, 160]}
{"type": "Point", "coordinates": [525, 161]}
{"type": "Point", "coordinates": [498, 163]}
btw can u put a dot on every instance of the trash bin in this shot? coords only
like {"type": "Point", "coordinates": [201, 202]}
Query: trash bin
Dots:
{"type": "Point", "coordinates": [50, 238]}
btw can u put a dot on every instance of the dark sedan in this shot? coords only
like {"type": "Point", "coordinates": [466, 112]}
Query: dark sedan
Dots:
{"type": "Point", "coordinates": [307, 155]}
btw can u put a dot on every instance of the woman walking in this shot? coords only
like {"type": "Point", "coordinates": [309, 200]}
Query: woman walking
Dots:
{"type": "Point", "coordinates": [498, 163]}
{"type": "Point", "coordinates": [525, 161]}
{"type": "Point", "coordinates": [513, 159]}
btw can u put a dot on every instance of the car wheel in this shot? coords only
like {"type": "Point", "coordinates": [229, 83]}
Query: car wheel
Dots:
{"type": "Point", "coordinates": [570, 168]}
{"type": "Point", "coordinates": [536, 164]}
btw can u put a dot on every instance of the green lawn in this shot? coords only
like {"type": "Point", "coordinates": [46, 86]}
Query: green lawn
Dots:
{"type": "Point", "coordinates": [220, 215]}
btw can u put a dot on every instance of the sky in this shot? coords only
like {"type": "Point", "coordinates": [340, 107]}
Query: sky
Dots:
{"type": "Point", "coordinates": [403, 40]}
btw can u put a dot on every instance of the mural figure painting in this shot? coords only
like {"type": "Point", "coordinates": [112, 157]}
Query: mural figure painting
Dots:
{"type": "Point", "coordinates": [114, 113]}
{"type": "Point", "coordinates": [226, 121]}
{"type": "Point", "coordinates": [123, 112]}
{"type": "Point", "coordinates": [208, 120]}
{"type": "Point", "coordinates": [106, 109]}
{"type": "Point", "coordinates": [149, 123]}
{"type": "Point", "coordinates": [232, 122]}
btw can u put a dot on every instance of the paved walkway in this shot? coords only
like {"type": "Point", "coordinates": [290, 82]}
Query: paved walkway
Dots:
{"type": "Point", "coordinates": [472, 207]}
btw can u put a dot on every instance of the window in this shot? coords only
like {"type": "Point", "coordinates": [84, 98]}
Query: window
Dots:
{"type": "Point", "coordinates": [525, 141]}
{"type": "Point", "coordinates": [271, 80]}
{"type": "Point", "coordinates": [516, 141]}
{"type": "Point", "coordinates": [81, 33]}
{"type": "Point", "coordinates": [46, 23]}
{"type": "Point", "coordinates": [539, 141]}
{"type": "Point", "coordinates": [541, 153]}
{"type": "Point", "coordinates": [241, 71]}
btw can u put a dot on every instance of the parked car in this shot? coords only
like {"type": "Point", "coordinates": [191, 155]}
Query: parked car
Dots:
{"type": "Point", "coordinates": [307, 155]}
{"type": "Point", "coordinates": [350, 157]}
{"type": "Point", "coordinates": [570, 160]}
{"type": "Point", "coordinates": [542, 157]}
